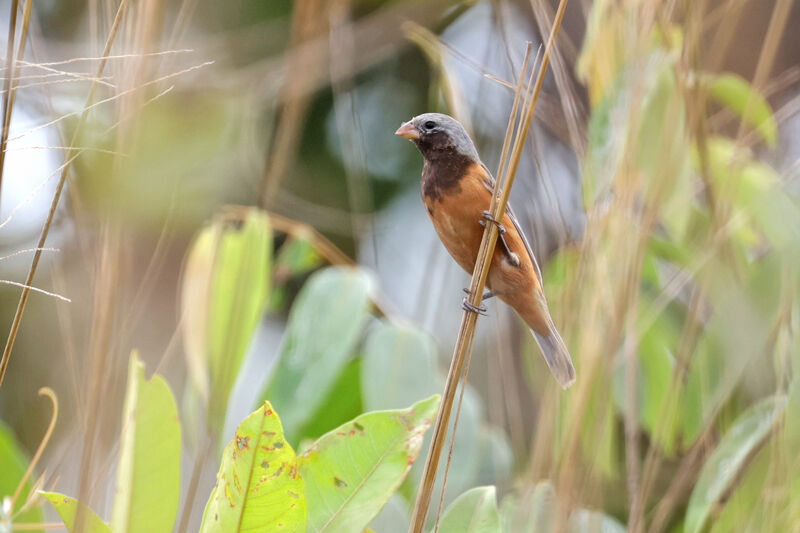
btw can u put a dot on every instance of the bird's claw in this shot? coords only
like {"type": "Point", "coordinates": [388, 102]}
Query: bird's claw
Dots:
{"type": "Point", "coordinates": [486, 295]}
{"type": "Point", "coordinates": [487, 215]}
{"type": "Point", "coordinates": [501, 230]}
{"type": "Point", "coordinates": [477, 309]}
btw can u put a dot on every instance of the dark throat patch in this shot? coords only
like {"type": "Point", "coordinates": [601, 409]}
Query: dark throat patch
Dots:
{"type": "Point", "coordinates": [442, 174]}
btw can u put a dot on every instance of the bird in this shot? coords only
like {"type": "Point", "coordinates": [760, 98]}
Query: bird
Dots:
{"type": "Point", "coordinates": [456, 189]}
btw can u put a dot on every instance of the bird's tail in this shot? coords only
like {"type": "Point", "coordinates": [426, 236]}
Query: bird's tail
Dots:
{"type": "Point", "coordinates": [556, 355]}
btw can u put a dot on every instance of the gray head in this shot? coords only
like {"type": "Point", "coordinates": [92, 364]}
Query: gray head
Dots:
{"type": "Point", "coordinates": [438, 135]}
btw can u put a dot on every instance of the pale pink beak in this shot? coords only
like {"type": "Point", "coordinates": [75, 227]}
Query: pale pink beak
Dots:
{"type": "Point", "coordinates": [408, 131]}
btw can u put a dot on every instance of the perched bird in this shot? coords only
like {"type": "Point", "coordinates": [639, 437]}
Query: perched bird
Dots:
{"type": "Point", "coordinates": [457, 190]}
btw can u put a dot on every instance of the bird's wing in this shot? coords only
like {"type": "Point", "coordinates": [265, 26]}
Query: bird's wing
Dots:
{"type": "Point", "coordinates": [488, 182]}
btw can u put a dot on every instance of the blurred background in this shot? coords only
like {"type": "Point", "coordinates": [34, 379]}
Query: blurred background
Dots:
{"type": "Point", "coordinates": [659, 187]}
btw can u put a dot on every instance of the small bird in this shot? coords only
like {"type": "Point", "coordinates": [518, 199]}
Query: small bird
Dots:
{"type": "Point", "coordinates": [457, 190]}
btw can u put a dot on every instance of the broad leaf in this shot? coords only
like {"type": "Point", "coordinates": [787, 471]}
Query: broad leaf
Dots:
{"type": "Point", "coordinates": [533, 512]}
{"type": "Point", "coordinates": [722, 468]}
{"type": "Point", "coordinates": [225, 291]}
{"type": "Point", "coordinates": [351, 472]}
{"type": "Point", "coordinates": [13, 464]}
{"type": "Point", "coordinates": [475, 511]}
{"type": "Point", "coordinates": [742, 506]}
{"type": "Point", "coordinates": [68, 508]}
{"type": "Point", "coordinates": [342, 404]}
{"type": "Point", "coordinates": [735, 93]}
{"type": "Point", "coordinates": [148, 475]}
{"type": "Point", "coordinates": [495, 458]}
{"type": "Point", "coordinates": [258, 485]}
{"type": "Point", "coordinates": [324, 326]}
{"type": "Point", "coordinates": [296, 257]}
{"type": "Point", "coordinates": [585, 521]}
{"type": "Point", "coordinates": [399, 367]}
{"type": "Point", "coordinates": [394, 517]}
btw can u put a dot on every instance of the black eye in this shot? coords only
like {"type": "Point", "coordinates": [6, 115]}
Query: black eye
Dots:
{"type": "Point", "coordinates": [430, 125]}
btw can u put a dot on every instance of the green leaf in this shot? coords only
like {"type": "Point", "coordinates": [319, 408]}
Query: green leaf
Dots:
{"type": "Point", "coordinates": [67, 509]}
{"type": "Point", "coordinates": [734, 336]}
{"type": "Point", "coordinates": [296, 256]}
{"type": "Point", "coordinates": [475, 511]}
{"type": "Point", "coordinates": [722, 468]}
{"type": "Point", "coordinates": [395, 516]}
{"type": "Point", "coordinates": [741, 507]}
{"type": "Point", "coordinates": [13, 464]}
{"type": "Point", "coordinates": [399, 367]}
{"type": "Point", "coordinates": [533, 512]}
{"type": "Point", "coordinates": [495, 458]}
{"type": "Point", "coordinates": [658, 411]}
{"type": "Point", "coordinates": [735, 93]}
{"type": "Point", "coordinates": [148, 475]}
{"type": "Point", "coordinates": [258, 485]}
{"type": "Point", "coordinates": [324, 326]}
{"type": "Point", "coordinates": [585, 521]}
{"type": "Point", "coordinates": [342, 404]}
{"type": "Point", "coordinates": [351, 472]}
{"type": "Point", "coordinates": [225, 291]}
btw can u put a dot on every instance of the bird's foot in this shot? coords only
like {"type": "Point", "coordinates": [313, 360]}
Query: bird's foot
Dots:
{"type": "Point", "coordinates": [477, 309]}
{"type": "Point", "coordinates": [511, 256]}
{"type": "Point", "coordinates": [487, 217]}
{"type": "Point", "coordinates": [486, 295]}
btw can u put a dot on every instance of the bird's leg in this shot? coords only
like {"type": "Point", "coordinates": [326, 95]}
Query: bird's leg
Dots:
{"type": "Point", "coordinates": [467, 306]}
{"type": "Point", "coordinates": [512, 257]}
{"type": "Point", "coordinates": [486, 295]}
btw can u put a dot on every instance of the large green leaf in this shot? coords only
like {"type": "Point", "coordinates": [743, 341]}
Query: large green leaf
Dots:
{"type": "Point", "coordinates": [342, 404]}
{"type": "Point", "coordinates": [756, 190]}
{"type": "Point", "coordinates": [258, 485]}
{"type": "Point", "coordinates": [735, 93]}
{"type": "Point", "coordinates": [394, 517]}
{"type": "Point", "coordinates": [225, 290]}
{"type": "Point", "coordinates": [67, 508]}
{"type": "Point", "coordinates": [13, 464]}
{"type": "Point", "coordinates": [351, 472]}
{"type": "Point", "coordinates": [475, 511]}
{"type": "Point", "coordinates": [399, 367]}
{"type": "Point", "coordinates": [324, 326]}
{"type": "Point", "coordinates": [585, 521]}
{"type": "Point", "coordinates": [495, 458]}
{"type": "Point", "coordinates": [722, 468]}
{"type": "Point", "coordinates": [734, 336]}
{"type": "Point", "coordinates": [742, 505]}
{"type": "Point", "coordinates": [657, 409]}
{"type": "Point", "coordinates": [533, 512]}
{"type": "Point", "coordinates": [148, 475]}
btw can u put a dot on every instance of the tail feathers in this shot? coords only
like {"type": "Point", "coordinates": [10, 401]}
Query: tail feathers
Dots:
{"type": "Point", "coordinates": [557, 356]}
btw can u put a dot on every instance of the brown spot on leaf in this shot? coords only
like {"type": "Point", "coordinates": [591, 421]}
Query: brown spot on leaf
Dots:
{"type": "Point", "coordinates": [358, 426]}
{"type": "Point", "coordinates": [268, 412]}
{"type": "Point", "coordinates": [242, 442]}
{"type": "Point", "coordinates": [279, 471]}
{"type": "Point", "coordinates": [264, 465]}
{"type": "Point", "coordinates": [278, 445]}
{"type": "Point", "coordinates": [339, 483]}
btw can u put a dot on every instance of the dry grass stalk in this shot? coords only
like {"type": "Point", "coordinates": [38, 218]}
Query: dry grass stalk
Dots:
{"type": "Point", "coordinates": [9, 93]}
{"type": "Point", "coordinates": [23, 299]}
{"type": "Point", "coordinates": [12, 30]}
{"type": "Point", "coordinates": [505, 180]}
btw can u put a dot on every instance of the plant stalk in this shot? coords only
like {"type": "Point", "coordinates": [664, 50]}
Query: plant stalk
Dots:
{"type": "Point", "coordinates": [466, 332]}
